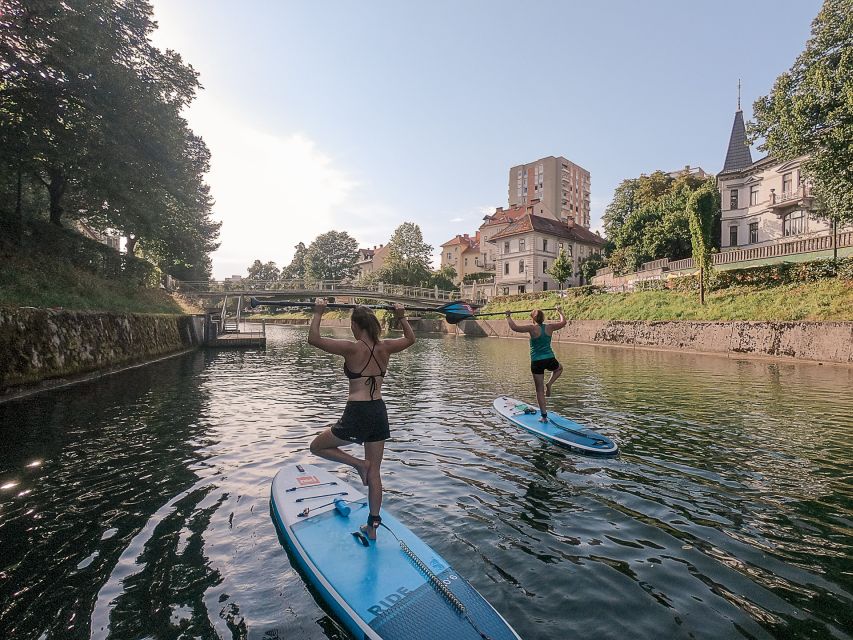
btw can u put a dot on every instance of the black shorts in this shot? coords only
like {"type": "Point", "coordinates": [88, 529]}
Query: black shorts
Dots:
{"type": "Point", "coordinates": [537, 367]}
{"type": "Point", "coordinates": [363, 421]}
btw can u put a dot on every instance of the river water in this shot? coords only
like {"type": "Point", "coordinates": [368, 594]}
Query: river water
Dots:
{"type": "Point", "coordinates": [137, 506]}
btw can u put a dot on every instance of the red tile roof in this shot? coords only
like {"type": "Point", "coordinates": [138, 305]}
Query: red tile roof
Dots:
{"type": "Point", "coordinates": [552, 227]}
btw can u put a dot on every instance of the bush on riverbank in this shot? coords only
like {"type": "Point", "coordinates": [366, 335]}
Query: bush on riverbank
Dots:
{"type": "Point", "coordinates": [60, 268]}
{"type": "Point", "coordinates": [770, 275]}
{"type": "Point", "coordinates": [827, 299]}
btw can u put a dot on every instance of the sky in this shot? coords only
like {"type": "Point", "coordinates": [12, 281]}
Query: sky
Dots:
{"type": "Point", "coordinates": [359, 116]}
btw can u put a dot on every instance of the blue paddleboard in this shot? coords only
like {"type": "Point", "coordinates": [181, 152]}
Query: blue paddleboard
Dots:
{"type": "Point", "coordinates": [558, 429]}
{"type": "Point", "coordinates": [396, 588]}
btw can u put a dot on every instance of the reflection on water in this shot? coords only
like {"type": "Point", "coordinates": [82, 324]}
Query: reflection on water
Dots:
{"type": "Point", "coordinates": [137, 506]}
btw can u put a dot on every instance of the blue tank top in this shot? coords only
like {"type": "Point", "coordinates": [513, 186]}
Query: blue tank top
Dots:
{"type": "Point", "coordinates": [540, 347]}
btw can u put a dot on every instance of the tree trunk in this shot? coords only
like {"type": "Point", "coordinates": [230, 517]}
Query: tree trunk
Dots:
{"type": "Point", "coordinates": [19, 212]}
{"type": "Point", "coordinates": [701, 284]}
{"type": "Point", "coordinates": [56, 187]}
{"type": "Point", "coordinates": [131, 245]}
{"type": "Point", "coordinates": [834, 240]}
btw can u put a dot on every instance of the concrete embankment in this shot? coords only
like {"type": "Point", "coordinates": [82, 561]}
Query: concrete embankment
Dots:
{"type": "Point", "coordinates": [40, 344]}
{"type": "Point", "coordinates": [816, 341]}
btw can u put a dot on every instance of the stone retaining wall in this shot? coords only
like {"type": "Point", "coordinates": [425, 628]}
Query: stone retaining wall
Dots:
{"type": "Point", "coordinates": [39, 344]}
{"type": "Point", "coordinates": [818, 341]}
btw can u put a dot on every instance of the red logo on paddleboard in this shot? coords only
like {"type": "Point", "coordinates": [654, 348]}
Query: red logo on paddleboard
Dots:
{"type": "Point", "coordinates": [304, 481]}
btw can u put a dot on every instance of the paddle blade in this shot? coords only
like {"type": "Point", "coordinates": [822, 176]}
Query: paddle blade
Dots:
{"type": "Point", "coordinates": [456, 311]}
{"type": "Point", "coordinates": [254, 302]}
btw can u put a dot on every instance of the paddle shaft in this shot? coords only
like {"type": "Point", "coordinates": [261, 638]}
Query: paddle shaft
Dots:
{"type": "Point", "coordinates": [498, 313]}
{"type": "Point", "coordinates": [334, 305]}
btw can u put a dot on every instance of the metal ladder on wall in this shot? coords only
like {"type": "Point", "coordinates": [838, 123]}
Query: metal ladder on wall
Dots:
{"type": "Point", "coordinates": [231, 323]}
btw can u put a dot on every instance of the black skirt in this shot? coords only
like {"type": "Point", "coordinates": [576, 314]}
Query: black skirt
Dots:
{"type": "Point", "coordinates": [363, 421]}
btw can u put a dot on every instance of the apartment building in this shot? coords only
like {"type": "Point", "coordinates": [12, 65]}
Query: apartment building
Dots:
{"type": "Point", "coordinates": [765, 201]}
{"type": "Point", "coordinates": [500, 220]}
{"type": "Point", "coordinates": [527, 248]}
{"type": "Point", "coordinates": [463, 254]}
{"type": "Point", "coordinates": [559, 184]}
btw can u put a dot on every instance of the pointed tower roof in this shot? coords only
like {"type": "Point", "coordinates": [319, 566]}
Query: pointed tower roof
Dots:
{"type": "Point", "coordinates": [738, 156]}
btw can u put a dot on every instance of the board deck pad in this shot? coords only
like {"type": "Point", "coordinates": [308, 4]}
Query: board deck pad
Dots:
{"type": "Point", "coordinates": [558, 429]}
{"type": "Point", "coordinates": [376, 591]}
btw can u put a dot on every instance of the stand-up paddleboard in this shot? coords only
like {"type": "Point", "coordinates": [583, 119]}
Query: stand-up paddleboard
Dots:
{"type": "Point", "coordinates": [395, 588]}
{"type": "Point", "coordinates": [558, 429]}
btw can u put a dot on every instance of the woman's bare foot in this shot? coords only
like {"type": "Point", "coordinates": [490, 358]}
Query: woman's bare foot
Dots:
{"type": "Point", "coordinates": [370, 532]}
{"type": "Point", "coordinates": [548, 389]}
{"type": "Point", "coordinates": [543, 418]}
{"type": "Point", "coordinates": [363, 467]}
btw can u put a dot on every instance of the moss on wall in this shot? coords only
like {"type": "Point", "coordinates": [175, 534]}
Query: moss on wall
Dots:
{"type": "Point", "coordinates": [37, 344]}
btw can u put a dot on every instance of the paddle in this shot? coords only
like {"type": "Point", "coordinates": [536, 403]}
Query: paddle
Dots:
{"type": "Point", "coordinates": [454, 312]}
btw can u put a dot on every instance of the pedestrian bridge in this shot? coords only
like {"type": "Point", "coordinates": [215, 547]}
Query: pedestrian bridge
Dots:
{"type": "Point", "coordinates": [299, 289]}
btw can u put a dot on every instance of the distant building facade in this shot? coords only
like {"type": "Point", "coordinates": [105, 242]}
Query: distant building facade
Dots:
{"type": "Point", "coordinates": [765, 201]}
{"type": "Point", "coordinates": [371, 260]}
{"type": "Point", "coordinates": [559, 184]}
{"type": "Point", "coordinates": [527, 247]}
{"type": "Point", "coordinates": [463, 254]}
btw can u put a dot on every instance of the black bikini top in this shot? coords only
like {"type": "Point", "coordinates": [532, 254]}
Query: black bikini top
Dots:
{"type": "Point", "coordinates": [371, 380]}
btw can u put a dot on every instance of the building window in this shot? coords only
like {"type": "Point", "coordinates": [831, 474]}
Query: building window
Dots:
{"type": "Point", "coordinates": [506, 291]}
{"type": "Point", "coordinates": [521, 266]}
{"type": "Point", "coordinates": [786, 184]}
{"type": "Point", "coordinates": [753, 232]}
{"type": "Point", "coordinates": [794, 223]}
{"type": "Point", "coordinates": [522, 288]}
{"type": "Point", "coordinates": [544, 244]}
{"type": "Point", "coordinates": [560, 246]}
{"type": "Point", "coordinates": [521, 244]}
{"type": "Point", "coordinates": [732, 236]}
{"type": "Point", "coordinates": [544, 286]}
{"type": "Point", "coordinates": [733, 199]}
{"type": "Point", "coordinates": [753, 195]}
{"type": "Point", "coordinates": [506, 268]}
{"type": "Point", "coordinates": [506, 246]}
{"type": "Point", "coordinates": [544, 266]}
{"type": "Point", "coordinates": [466, 262]}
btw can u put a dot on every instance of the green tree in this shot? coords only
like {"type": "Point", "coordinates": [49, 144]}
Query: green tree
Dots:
{"type": "Point", "coordinates": [562, 268]}
{"type": "Point", "coordinates": [590, 265]}
{"type": "Point", "coordinates": [444, 278]}
{"type": "Point", "coordinates": [267, 272]}
{"type": "Point", "coordinates": [702, 208]}
{"type": "Point", "coordinates": [809, 112]}
{"type": "Point", "coordinates": [409, 257]}
{"type": "Point", "coordinates": [647, 220]}
{"type": "Point", "coordinates": [296, 269]}
{"type": "Point", "coordinates": [91, 111]}
{"type": "Point", "coordinates": [332, 256]}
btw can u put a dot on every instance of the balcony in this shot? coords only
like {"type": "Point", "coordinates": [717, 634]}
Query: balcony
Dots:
{"type": "Point", "coordinates": [800, 197]}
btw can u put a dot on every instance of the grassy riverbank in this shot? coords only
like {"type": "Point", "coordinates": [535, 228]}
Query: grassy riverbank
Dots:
{"type": "Point", "coordinates": [62, 269]}
{"type": "Point", "coordinates": [830, 299]}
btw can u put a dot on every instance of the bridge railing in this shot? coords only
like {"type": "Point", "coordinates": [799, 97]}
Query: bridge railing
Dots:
{"type": "Point", "coordinates": [329, 287]}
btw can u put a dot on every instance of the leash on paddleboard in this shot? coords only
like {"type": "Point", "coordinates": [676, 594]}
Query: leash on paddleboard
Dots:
{"type": "Point", "coordinates": [437, 583]}
{"type": "Point", "coordinates": [578, 433]}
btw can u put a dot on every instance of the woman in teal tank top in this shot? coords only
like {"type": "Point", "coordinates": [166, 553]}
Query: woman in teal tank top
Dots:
{"type": "Point", "coordinates": [541, 355]}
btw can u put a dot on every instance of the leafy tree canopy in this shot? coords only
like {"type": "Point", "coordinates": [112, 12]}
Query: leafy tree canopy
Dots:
{"type": "Point", "coordinates": [647, 219]}
{"type": "Point", "coordinates": [332, 256]}
{"type": "Point", "coordinates": [409, 257]}
{"type": "Point", "coordinates": [267, 272]}
{"type": "Point", "coordinates": [296, 269]}
{"type": "Point", "coordinates": [809, 112]}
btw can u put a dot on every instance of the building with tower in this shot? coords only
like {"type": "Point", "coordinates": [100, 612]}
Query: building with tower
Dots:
{"type": "Point", "coordinates": [763, 201]}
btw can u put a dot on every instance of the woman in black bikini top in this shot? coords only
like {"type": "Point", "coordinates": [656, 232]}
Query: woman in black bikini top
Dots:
{"type": "Point", "coordinates": [365, 418]}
